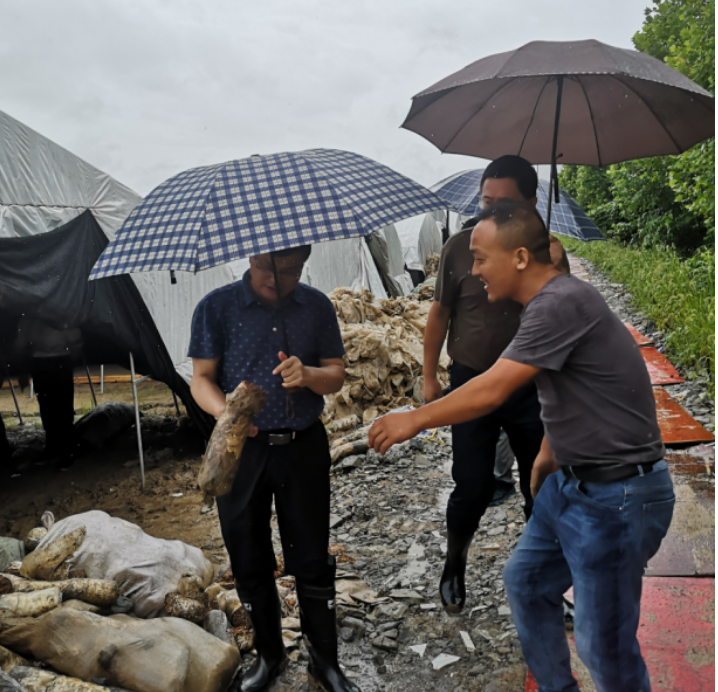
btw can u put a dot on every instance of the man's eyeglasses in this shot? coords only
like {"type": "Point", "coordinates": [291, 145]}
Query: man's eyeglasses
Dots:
{"type": "Point", "coordinates": [290, 273]}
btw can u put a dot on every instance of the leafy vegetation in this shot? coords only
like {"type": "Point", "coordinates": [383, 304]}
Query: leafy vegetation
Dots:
{"type": "Point", "coordinates": [667, 200]}
{"type": "Point", "coordinates": [659, 213]}
{"type": "Point", "coordinates": [677, 293]}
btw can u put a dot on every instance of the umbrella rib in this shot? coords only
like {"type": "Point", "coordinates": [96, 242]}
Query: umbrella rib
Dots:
{"type": "Point", "coordinates": [473, 115]}
{"type": "Point", "coordinates": [533, 115]}
{"type": "Point", "coordinates": [593, 120]}
{"type": "Point", "coordinates": [647, 105]}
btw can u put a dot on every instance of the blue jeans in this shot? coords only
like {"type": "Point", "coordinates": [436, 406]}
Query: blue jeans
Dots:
{"type": "Point", "coordinates": [597, 537]}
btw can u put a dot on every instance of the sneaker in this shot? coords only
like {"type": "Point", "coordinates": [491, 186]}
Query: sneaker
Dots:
{"type": "Point", "coordinates": [502, 493]}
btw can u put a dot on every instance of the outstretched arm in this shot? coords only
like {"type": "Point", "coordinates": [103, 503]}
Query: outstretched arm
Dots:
{"type": "Point", "coordinates": [478, 397]}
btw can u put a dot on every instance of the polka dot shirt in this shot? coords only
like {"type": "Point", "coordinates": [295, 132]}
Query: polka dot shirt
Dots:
{"type": "Point", "coordinates": [231, 324]}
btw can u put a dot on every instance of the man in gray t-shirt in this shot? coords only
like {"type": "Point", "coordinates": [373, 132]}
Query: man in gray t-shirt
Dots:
{"type": "Point", "coordinates": [603, 495]}
{"type": "Point", "coordinates": [587, 357]}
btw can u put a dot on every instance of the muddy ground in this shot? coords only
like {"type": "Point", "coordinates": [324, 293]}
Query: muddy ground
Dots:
{"type": "Point", "coordinates": [388, 514]}
{"type": "Point", "coordinates": [387, 517]}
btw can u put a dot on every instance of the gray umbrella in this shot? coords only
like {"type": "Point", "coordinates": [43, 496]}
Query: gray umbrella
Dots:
{"type": "Point", "coordinates": [582, 102]}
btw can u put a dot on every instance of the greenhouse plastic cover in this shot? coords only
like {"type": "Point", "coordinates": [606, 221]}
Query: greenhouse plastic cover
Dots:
{"type": "Point", "coordinates": [43, 186]}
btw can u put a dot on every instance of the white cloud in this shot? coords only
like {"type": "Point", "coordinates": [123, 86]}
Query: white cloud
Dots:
{"type": "Point", "coordinates": [145, 89]}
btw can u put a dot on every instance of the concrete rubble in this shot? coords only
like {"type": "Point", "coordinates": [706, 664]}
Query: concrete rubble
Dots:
{"type": "Point", "coordinates": [387, 531]}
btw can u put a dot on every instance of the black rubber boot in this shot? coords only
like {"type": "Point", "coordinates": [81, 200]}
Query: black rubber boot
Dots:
{"type": "Point", "coordinates": [262, 606]}
{"type": "Point", "coordinates": [452, 588]}
{"type": "Point", "coordinates": [319, 626]}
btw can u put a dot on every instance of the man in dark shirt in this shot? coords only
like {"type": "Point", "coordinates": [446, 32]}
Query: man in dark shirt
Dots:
{"type": "Point", "coordinates": [478, 332]}
{"type": "Point", "coordinates": [288, 342]}
{"type": "Point", "coordinates": [603, 495]}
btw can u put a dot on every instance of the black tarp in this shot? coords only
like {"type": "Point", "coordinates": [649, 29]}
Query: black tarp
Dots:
{"type": "Point", "coordinates": [45, 276]}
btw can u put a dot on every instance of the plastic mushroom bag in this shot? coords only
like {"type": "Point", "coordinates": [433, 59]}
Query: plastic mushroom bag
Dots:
{"type": "Point", "coordinates": [145, 568]}
{"type": "Point", "coordinates": [160, 655]}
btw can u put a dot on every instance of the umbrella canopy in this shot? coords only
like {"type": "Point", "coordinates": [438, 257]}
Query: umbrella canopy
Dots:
{"type": "Point", "coordinates": [207, 216]}
{"type": "Point", "coordinates": [581, 101]}
{"type": "Point", "coordinates": [614, 105]}
{"type": "Point", "coordinates": [462, 191]}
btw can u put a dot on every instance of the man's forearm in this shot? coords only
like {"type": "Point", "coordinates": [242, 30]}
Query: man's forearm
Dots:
{"type": "Point", "coordinates": [437, 324]}
{"type": "Point", "coordinates": [324, 380]}
{"type": "Point", "coordinates": [544, 465]}
{"type": "Point", "coordinates": [473, 400]}
{"type": "Point", "coordinates": [208, 396]}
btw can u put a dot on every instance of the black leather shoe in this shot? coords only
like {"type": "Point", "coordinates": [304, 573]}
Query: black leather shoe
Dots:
{"type": "Point", "coordinates": [262, 606]}
{"type": "Point", "coordinates": [262, 673]}
{"type": "Point", "coordinates": [319, 625]}
{"type": "Point", "coordinates": [452, 588]}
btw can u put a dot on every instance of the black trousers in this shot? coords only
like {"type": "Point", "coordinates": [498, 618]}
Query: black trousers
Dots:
{"type": "Point", "coordinates": [474, 445]}
{"type": "Point", "coordinates": [296, 475]}
{"type": "Point", "coordinates": [55, 390]}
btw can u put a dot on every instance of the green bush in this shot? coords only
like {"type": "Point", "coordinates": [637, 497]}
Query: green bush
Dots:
{"type": "Point", "coordinates": [667, 200]}
{"type": "Point", "coordinates": [678, 294]}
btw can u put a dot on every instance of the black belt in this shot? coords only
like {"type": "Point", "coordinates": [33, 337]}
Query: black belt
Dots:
{"type": "Point", "coordinates": [279, 437]}
{"type": "Point", "coordinates": [607, 474]}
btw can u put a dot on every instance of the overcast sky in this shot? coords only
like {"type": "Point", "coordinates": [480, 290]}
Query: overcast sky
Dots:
{"type": "Point", "coordinates": [146, 88]}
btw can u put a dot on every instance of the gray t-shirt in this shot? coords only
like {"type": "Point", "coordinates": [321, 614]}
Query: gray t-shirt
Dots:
{"type": "Point", "coordinates": [596, 397]}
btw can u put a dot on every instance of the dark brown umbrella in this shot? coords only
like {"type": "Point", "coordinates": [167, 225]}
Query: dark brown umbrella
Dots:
{"type": "Point", "coordinates": [581, 101]}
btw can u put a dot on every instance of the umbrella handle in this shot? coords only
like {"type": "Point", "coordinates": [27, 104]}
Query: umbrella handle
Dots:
{"type": "Point", "coordinates": [557, 199]}
{"type": "Point", "coordinates": [289, 404]}
{"type": "Point", "coordinates": [285, 341]}
{"type": "Point", "coordinates": [554, 175]}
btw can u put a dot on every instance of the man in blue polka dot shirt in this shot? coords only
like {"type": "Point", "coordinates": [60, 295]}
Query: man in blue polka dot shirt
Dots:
{"type": "Point", "coordinates": [294, 353]}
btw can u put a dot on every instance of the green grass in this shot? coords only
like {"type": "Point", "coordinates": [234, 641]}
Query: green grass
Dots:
{"type": "Point", "coordinates": [678, 294]}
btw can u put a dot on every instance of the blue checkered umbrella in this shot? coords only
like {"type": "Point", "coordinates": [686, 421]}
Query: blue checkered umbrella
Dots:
{"type": "Point", "coordinates": [463, 192]}
{"type": "Point", "coordinates": [215, 214]}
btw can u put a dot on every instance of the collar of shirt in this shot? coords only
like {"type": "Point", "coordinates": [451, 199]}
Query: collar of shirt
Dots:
{"type": "Point", "coordinates": [248, 296]}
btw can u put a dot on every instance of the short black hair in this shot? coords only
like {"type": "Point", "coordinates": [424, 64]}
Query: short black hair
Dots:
{"type": "Point", "coordinates": [305, 251]}
{"type": "Point", "coordinates": [470, 223]}
{"type": "Point", "coordinates": [517, 168]}
{"type": "Point", "coordinates": [518, 224]}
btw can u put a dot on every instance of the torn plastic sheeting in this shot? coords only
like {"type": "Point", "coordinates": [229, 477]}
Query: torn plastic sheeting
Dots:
{"type": "Point", "coordinates": [419, 649]}
{"type": "Point", "coordinates": [467, 641]}
{"type": "Point", "coordinates": [659, 367]}
{"type": "Point", "coordinates": [676, 424]}
{"type": "Point", "coordinates": [443, 660]}
{"type": "Point", "coordinates": [351, 590]}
